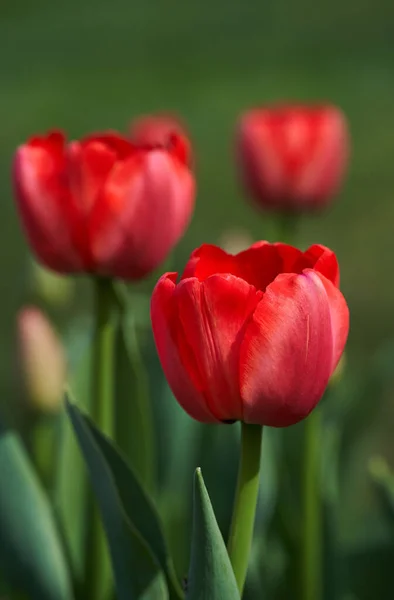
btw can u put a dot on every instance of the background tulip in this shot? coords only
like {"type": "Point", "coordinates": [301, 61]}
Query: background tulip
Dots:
{"type": "Point", "coordinates": [292, 157]}
{"type": "Point", "coordinates": [253, 336]}
{"type": "Point", "coordinates": [103, 205]}
{"type": "Point", "coordinates": [153, 130]}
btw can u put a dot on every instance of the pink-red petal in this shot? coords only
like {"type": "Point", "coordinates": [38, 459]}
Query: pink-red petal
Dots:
{"type": "Point", "coordinates": [145, 208]}
{"type": "Point", "coordinates": [182, 386]}
{"type": "Point", "coordinates": [287, 353]}
{"type": "Point", "coordinates": [42, 193]}
{"type": "Point", "coordinates": [323, 259]}
{"type": "Point", "coordinates": [208, 325]}
{"type": "Point", "coordinates": [339, 312]}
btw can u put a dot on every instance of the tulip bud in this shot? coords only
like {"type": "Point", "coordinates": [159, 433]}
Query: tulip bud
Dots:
{"type": "Point", "coordinates": [292, 158]}
{"type": "Point", "coordinates": [156, 130]}
{"type": "Point", "coordinates": [42, 359]}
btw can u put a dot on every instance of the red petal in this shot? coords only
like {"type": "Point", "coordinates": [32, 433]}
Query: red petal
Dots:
{"type": "Point", "coordinates": [258, 266]}
{"type": "Point", "coordinates": [208, 323]}
{"type": "Point", "coordinates": [88, 166]}
{"type": "Point", "coordinates": [287, 353]}
{"type": "Point", "coordinates": [339, 319]}
{"type": "Point", "coordinates": [165, 131]}
{"type": "Point", "coordinates": [42, 194]}
{"type": "Point", "coordinates": [113, 141]}
{"type": "Point", "coordinates": [208, 260]}
{"type": "Point", "coordinates": [145, 208]}
{"type": "Point", "coordinates": [323, 259]}
{"type": "Point", "coordinates": [180, 382]}
{"type": "Point", "coordinates": [53, 142]}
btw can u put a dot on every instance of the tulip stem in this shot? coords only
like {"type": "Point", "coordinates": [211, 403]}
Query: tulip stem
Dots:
{"type": "Point", "coordinates": [311, 556]}
{"type": "Point", "coordinates": [103, 360]}
{"type": "Point", "coordinates": [102, 412]}
{"type": "Point", "coordinates": [287, 226]}
{"type": "Point", "coordinates": [242, 525]}
{"type": "Point", "coordinates": [134, 427]}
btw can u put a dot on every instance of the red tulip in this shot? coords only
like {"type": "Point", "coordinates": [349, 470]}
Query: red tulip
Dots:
{"type": "Point", "coordinates": [156, 129]}
{"type": "Point", "coordinates": [253, 336]}
{"type": "Point", "coordinates": [102, 205]}
{"type": "Point", "coordinates": [292, 157]}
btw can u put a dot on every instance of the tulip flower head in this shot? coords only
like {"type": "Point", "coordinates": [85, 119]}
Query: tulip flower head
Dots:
{"type": "Point", "coordinates": [153, 130]}
{"type": "Point", "coordinates": [103, 205]}
{"type": "Point", "coordinates": [292, 158]}
{"type": "Point", "coordinates": [254, 336]}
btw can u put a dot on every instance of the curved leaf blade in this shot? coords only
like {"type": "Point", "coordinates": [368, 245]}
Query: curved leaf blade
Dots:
{"type": "Point", "coordinates": [137, 504]}
{"type": "Point", "coordinates": [211, 576]}
{"type": "Point", "coordinates": [137, 573]}
{"type": "Point", "coordinates": [31, 554]}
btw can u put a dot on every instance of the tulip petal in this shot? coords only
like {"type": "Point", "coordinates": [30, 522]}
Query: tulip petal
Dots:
{"type": "Point", "coordinates": [88, 166]}
{"type": "Point", "coordinates": [208, 325]}
{"type": "Point", "coordinates": [286, 356]}
{"type": "Point", "coordinates": [42, 194]}
{"type": "Point", "coordinates": [258, 265]}
{"type": "Point", "coordinates": [208, 260]}
{"type": "Point", "coordinates": [323, 260]}
{"type": "Point", "coordinates": [339, 318]}
{"type": "Point", "coordinates": [183, 388]}
{"type": "Point", "coordinates": [146, 205]}
{"type": "Point", "coordinates": [112, 141]}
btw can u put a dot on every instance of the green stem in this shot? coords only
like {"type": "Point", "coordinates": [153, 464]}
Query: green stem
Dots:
{"type": "Point", "coordinates": [103, 360]}
{"type": "Point", "coordinates": [134, 420]}
{"type": "Point", "coordinates": [97, 568]}
{"type": "Point", "coordinates": [311, 569]}
{"type": "Point", "coordinates": [287, 227]}
{"type": "Point", "coordinates": [241, 531]}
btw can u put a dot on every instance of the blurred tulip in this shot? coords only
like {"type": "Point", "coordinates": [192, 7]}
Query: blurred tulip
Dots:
{"type": "Point", "coordinates": [42, 359]}
{"type": "Point", "coordinates": [155, 130]}
{"type": "Point", "coordinates": [292, 158]}
{"type": "Point", "coordinates": [255, 336]}
{"type": "Point", "coordinates": [103, 205]}
{"type": "Point", "coordinates": [54, 289]}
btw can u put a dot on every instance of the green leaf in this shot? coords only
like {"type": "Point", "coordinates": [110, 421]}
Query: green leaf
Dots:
{"type": "Point", "coordinates": [210, 576]}
{"type": "Point", "coordinates": [134, 420]}
{"type": "Point", "coordinates": [138, 575]}
{"type": "Point", "coordinates": [138, 507]}
{"type": "Point", "coordinates": [31, 555]}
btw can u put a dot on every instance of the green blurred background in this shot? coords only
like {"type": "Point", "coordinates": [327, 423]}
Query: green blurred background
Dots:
{"type": "Point", "coordinates": [84, 65]}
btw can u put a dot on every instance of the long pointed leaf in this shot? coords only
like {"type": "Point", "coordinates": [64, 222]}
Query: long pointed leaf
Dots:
{"type": "Point", "coordinates": [31, 555]}
{"type": "Point", "coordinates": [138, 575]}
{"type": "Point", "coordinates": [211, 576]}
{"type": "Point", "coordinates": [138, 507]}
